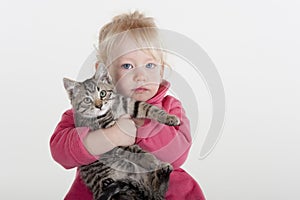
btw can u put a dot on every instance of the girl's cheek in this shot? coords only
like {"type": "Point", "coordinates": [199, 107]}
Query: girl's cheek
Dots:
{"type": "Point", "coordinates": [121, 78]}
{"type": "Point", "coordinates": [116, 77]}
{"type": "Point", "coordinates": [121, 83]}
{"type": "Point", "coordinates": [123, 90]}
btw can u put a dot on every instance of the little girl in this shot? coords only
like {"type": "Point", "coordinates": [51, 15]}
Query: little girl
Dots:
{"type": "Point", "coordinates": [136, 72]}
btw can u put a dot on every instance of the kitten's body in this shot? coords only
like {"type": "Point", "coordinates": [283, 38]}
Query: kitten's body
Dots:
{"type": "Point", "coordinates": [124, 172]}
{"type": "Point", "coordinates": [129, 172]}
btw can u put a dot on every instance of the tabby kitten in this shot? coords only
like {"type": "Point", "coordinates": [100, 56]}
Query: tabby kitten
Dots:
{"type": "Point", "coordinates": [124, 172]}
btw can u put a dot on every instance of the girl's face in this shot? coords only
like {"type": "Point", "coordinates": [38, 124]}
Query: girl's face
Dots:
{"type": "Point", "coordinates": [136, 75]}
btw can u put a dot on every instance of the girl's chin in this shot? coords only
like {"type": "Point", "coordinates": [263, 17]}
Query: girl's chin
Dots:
{"type": "Point", "coordinates": [141, 97]}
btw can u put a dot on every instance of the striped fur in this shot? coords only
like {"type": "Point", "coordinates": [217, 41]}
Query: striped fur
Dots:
{"type": "Point", "coordinates": [127, 172]}
{"type": "Point", "coordinates": [123, 172]}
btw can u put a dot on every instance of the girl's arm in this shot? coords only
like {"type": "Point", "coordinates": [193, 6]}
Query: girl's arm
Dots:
{"type": "Point", "coordinates": [168, 143]}
{"type": "Point", "coordinates": [121, 134]}
{"type": "Point", "coordinates": [66, 144]}
{"type": "Point", "coordinates": [73, 147]}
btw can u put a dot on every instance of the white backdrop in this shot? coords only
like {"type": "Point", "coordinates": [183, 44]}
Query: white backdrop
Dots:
{"type": "Point", "coordinates": [254, 45]}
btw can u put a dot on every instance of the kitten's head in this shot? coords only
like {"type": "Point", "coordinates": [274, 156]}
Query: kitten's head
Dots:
{"type": "Point", "coordinates": [93, 96]}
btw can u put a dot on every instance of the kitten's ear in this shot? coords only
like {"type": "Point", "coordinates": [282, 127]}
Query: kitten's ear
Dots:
{"type": "Point", "coordinates": [102, 74]}
{"type": "Point", "coordinates": [69, 86]}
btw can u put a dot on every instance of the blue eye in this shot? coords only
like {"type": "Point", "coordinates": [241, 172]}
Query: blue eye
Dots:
{"type": "Point", "coordinates": [150, 65]}
{"type": "Point", "coordinates": [127, 66]}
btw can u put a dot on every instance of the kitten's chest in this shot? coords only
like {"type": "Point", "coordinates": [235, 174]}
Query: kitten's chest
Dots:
{"type": "Point", "coordinates": [94, 123]}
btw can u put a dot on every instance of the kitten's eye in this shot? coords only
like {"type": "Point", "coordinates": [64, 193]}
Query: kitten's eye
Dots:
{"type": "Point", "coordinates": [87, 100]}
{"type": "Point", "coordinates": [127, 66]}
{"type": "Point", "coordinates": [150, 65]}
{"type": "Point", "coordinates": [102, 93]}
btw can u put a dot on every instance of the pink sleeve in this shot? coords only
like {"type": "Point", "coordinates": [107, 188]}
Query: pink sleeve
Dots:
{"type": "Point", "coordinates": [182, 140]}
{"type": "Point", "coordinates": [169, 143]}
{"type": "Point", "coordinates": [66, 143]}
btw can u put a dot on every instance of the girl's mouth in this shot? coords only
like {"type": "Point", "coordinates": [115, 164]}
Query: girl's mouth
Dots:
{"type": "Point", "coordinates": [140, 89]}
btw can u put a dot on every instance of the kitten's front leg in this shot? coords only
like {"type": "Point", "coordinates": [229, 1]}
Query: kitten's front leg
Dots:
{"type": "Point", "coordinates": [140, 109]}
{"type": "Point", "coordinates": [170, 120]}
{"type": "Point", "coordinates": [162, 116]}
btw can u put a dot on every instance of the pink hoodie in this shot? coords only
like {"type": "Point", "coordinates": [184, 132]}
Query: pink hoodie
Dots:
{"type": "Point", "coordinates": [170, 144]}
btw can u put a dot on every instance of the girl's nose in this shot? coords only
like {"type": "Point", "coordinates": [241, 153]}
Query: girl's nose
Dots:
{"type": "Point", "coordinates": [139, 74]}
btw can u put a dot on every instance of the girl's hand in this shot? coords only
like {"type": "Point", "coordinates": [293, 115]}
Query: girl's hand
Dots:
{"type": "Point", "coordinates": [123, 133]}
{"type": "Point", "coordinates": [138, 122]}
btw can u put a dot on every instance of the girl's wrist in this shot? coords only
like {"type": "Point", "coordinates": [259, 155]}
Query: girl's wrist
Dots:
{"type": "Point", "coordinates": [98, 142]}
{"type": "Point", "coordinates": [112, 134]}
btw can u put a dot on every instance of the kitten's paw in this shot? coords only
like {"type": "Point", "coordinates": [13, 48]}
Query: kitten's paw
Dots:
{"type": "Point", "coordinates": [168, 169]}
{"type": "Point", "coordinates": [172, 120]}
{"type": "Point", "coordinates": [107, 182]}
{"type": "Point", "coordinates": [165, 170]}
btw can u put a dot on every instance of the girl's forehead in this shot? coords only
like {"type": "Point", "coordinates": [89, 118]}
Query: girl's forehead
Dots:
{"type": "Point", "coordinates": [137, 54]}
{"type": "Point", "coordinates": [130, 46]}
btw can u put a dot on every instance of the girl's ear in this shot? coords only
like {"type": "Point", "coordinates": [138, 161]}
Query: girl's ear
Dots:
{"type": "Point", "coordinates": [69, 86]}
{"type": "Point", "coordinates": [102, 74]}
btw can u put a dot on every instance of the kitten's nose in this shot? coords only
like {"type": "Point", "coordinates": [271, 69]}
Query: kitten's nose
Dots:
{"type": "Point", "coordinates": [98, 103]}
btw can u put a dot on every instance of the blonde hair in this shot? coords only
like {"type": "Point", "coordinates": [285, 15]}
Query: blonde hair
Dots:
{"type": "Point", "coordinates": [141, 29]}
